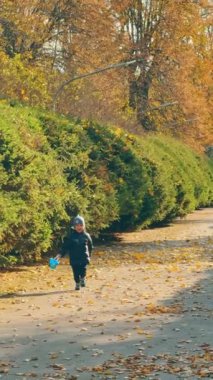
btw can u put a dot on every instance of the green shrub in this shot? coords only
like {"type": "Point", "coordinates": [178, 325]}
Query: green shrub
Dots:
{"type": "Point", "coordinates": [53, 167]}
{"type": "Point", "coordinates": [34, 193]}
{"type": "Point", "coordinates": [112, 149]}
{"type": "Point", "coordinates": [70, 140]}
{"type": "Point", "coordinates": [181, 180]}
{"type": "Point", "coordinates": [192, 174]}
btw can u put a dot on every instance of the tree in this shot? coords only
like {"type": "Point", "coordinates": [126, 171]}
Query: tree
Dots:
{"type": "Point", "coordinates": [172, 39]}
{"type": "Point", "coordinates": [65, 38]}
{"type": "Point", "coordinates": [168, 89]}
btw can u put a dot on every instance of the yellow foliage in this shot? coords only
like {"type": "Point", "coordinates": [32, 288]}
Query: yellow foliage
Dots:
{"type": "Point", "coordinates": [23, 81]}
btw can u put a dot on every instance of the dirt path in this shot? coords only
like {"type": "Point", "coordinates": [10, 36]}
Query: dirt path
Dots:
{"type": "Point", "coordinates": [145, 314]}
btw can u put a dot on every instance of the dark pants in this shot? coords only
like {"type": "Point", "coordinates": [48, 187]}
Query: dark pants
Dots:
{"type": "Point", "coordinates": [79, 271]}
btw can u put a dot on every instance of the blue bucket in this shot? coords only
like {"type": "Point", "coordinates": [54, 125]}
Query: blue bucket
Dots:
{"type": "Point", "coordinates": [53, 263]}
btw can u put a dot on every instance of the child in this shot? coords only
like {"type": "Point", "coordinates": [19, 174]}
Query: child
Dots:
{"type": "Point", "coordinates": [79, 248]}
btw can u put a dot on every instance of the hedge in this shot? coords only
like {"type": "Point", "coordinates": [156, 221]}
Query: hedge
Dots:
{"type": "Point", "coordinates": [52, 167]}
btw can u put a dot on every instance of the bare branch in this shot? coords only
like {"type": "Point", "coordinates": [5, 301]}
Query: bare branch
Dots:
{"type": "Point", "coordinates": [97, 71]}
{"type": "Point", "coordinates": [161, 106]}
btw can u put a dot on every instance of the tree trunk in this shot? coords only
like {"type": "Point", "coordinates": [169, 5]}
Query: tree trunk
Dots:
{"type": "Point", "coordinates": [139, 101]}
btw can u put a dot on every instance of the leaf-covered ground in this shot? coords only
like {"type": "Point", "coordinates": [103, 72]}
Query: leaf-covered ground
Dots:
{"type": "Point", "coordinates": [146, 312]}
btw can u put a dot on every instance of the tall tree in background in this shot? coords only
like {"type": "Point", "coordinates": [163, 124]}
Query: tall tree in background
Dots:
{"type": "Point", "coordinates": [93, 45]}
{"type": "Point", "coordinates": [141, 22]}
{"type": "Point", "coordinates": [38, 35]}
{"type": "Point", "coordinates": [44, 43]}
{"type": "Point", "coordinates": [171, 38]}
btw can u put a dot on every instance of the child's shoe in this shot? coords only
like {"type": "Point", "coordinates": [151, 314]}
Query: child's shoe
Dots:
{"type": "Point", "coordinates": [83, 282]}
{"type": "Point", "coordinates": [77, 286]}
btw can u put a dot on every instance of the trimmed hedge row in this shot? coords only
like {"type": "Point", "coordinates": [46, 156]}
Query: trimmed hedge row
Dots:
{"type": "Point", "coordinates": [52, 167]}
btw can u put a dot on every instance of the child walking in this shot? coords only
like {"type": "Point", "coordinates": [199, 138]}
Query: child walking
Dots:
{"type": "Point", "coordinates": [79, 247]}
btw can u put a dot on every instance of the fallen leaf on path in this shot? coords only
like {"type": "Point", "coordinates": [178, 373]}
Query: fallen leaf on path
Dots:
{"type": "Point", "coordinates": [139, 331]}
{"type": "Point", "coordinates": [58, 367]}
{"type": "Point", "coordinates": [31, 374]}
{"type": "Point", "coordinates": [53, 355]}
{"type": "Point", "coordinates": [157, 309]}
{"type": "Point", "coordinates": [4, 370]}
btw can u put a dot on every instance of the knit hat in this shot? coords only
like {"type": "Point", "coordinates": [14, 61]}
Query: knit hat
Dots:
{"type": "Point", "coordinates": [79, 220]}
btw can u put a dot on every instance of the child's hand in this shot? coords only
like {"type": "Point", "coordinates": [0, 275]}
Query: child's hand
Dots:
{"type": "Point", "coordinates": [58, 257]}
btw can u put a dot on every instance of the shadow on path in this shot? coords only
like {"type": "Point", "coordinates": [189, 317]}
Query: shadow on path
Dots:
{"type": "Point", "coordinates": [167, 345]}
{"type": "Point", "coordinates": [14, 295]}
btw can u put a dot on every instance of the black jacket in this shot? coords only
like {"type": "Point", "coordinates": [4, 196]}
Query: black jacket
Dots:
{"type": "Point", "coordinates": [79, 248]}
